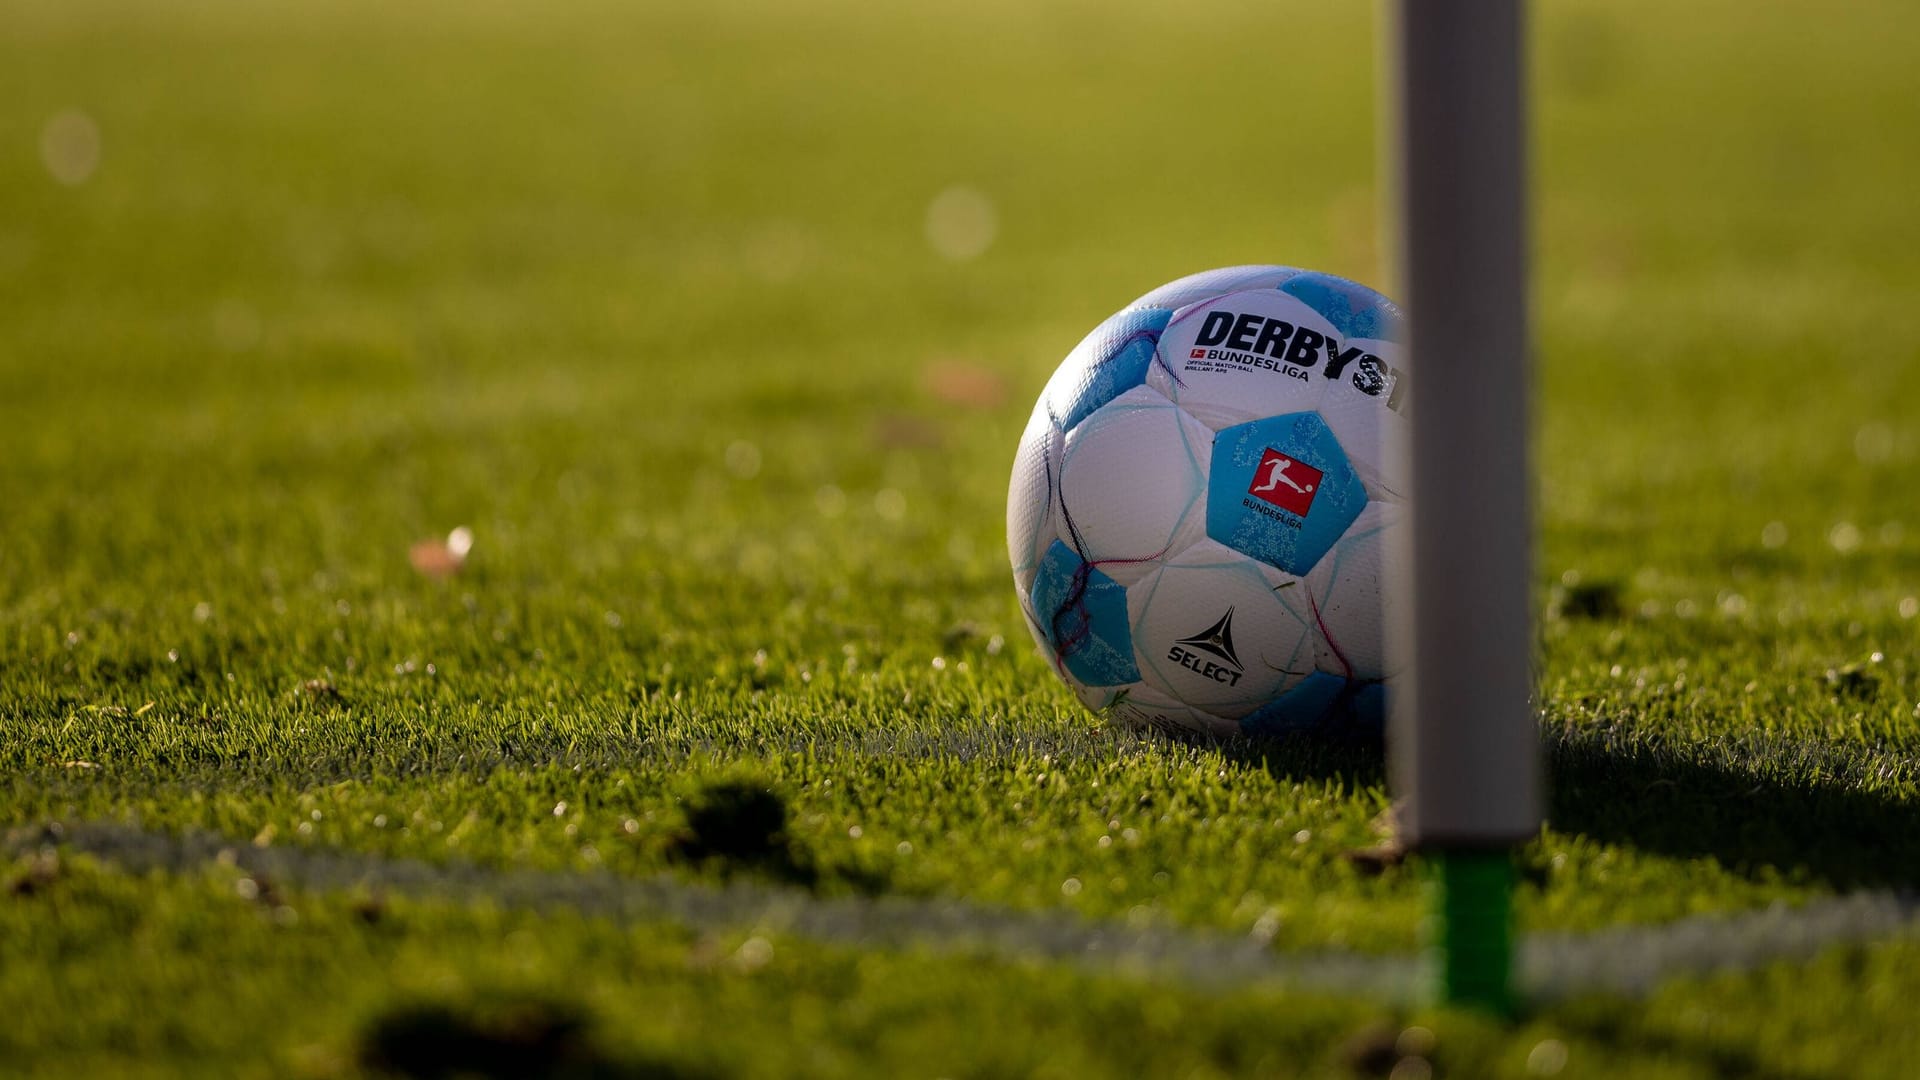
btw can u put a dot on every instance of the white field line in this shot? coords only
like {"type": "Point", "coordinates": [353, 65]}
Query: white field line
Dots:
{"type": "Point", "coordinates": [882, 922]}
{"type": "Point", "coordinates": [1553, 966]}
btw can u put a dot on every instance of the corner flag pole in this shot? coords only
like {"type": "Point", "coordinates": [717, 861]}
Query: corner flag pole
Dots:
{"type": "Point", "coordinates": [1464, 742]}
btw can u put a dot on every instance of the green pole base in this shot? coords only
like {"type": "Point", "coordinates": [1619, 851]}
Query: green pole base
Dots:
{"type": "Point", "coordinates": [1472, 936]}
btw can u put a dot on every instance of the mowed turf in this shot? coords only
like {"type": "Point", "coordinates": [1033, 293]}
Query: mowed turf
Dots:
{"type": "Point", "coordinates": [646, 300]}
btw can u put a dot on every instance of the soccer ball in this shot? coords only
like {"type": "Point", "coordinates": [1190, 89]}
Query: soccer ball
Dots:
{"type": "Point", "coordinates": [1199, 504]}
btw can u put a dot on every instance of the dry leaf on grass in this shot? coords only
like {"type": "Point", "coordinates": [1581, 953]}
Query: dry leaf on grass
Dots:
{"type": "Point", "coordinates": [441, 559]}
{"type": "Point", "coordinates": [966, 385]}
{"type": "Point", "coordinates": [900, 431]}
{"type": "Point", "coordinates": [1377, 859]}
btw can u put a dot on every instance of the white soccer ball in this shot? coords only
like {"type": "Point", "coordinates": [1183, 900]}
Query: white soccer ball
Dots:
{"type": "Point", "coordinates": [1199, 503]}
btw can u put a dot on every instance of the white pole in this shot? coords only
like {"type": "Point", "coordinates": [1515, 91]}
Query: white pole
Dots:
{"type": "Point", "coordinates": [1464, 741]}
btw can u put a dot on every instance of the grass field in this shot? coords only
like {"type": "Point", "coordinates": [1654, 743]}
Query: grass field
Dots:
{"type": "Point", "coordinates": [644, 297]}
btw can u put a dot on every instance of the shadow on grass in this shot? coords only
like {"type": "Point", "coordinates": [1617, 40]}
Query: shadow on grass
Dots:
{"type": "Point", "coordinates": [1806, 810]}
{"type": "Point", "coordinates": [1820, 812]}
{"type": "Point", "coordinates": [738, 826]}
{"type": "Point", "coordinates": [1353, 760]}
{"type": "Point", "coordinates": [498, 1038]}
{"type": "Point", "coordinates": [1606, 1024]}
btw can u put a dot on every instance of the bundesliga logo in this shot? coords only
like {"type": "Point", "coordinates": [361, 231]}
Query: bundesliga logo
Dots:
{"type": "Point", "coordinates": [1285, 482]}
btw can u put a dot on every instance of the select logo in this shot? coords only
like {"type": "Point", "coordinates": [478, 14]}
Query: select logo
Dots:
{"type": "Point", "coordinates": [1209, 653]}
{"type": "Point", "coordinates": [1286, 482]}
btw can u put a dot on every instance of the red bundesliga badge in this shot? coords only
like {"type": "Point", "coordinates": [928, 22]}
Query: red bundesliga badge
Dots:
{"type": "Point", "coordinates": [1197, 354]}
{"type": "Point", "coordinates": [1285, 482]}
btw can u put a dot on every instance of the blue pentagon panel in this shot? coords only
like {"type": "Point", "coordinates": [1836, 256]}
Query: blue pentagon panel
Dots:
{"type": "Point", "coordinates": [1353, 309]}
{"type": "Point", "coordinates": [1030, 494]}
{"type": "Point", "coordinates": [1109, 362]}
{"type": "Point", "coordinates": [1282, 491]}
{"type": "Point", "coordinates": [1319, 702]}
{"type": "Point", "coordinates": [1083, 616]}
{"type": "Point", "coordinates": [1211, 283]}
{"type": "Point", "coordinates": [1368, 707]}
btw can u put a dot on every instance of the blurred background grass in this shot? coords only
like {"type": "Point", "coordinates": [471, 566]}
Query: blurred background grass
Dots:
{"type": "Point", "coordinates": [650, 299]}
{"type": "Point", "coordinates": [343, 274]}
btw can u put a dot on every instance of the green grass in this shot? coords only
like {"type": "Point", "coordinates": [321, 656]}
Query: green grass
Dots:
{"type": "Point", "coordinates": [644, 298]}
